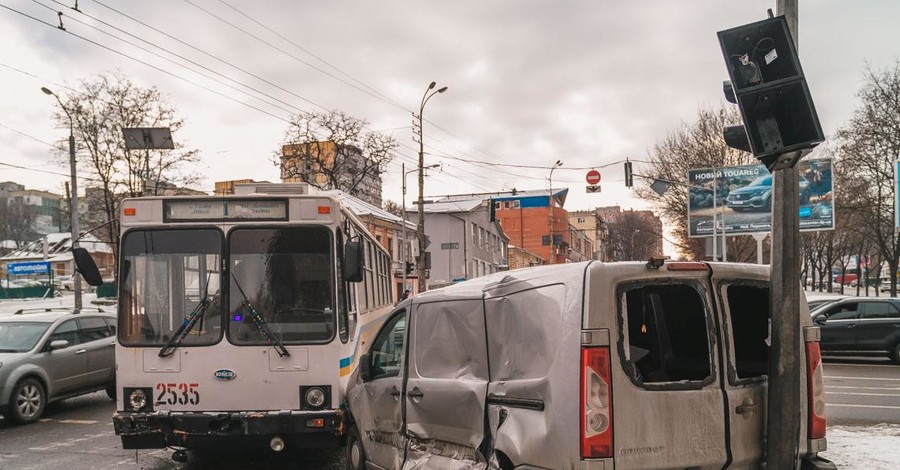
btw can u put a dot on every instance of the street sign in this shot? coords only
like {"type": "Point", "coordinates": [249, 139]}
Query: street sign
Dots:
{"type": "Point", "coordinates": [593, 189]}
{"type": "Point", "coordinates": [593, 177]}
{"type": "Point", "coordinates": [36, 267]}
{"type": "Point", "coordinates": [450, 246]}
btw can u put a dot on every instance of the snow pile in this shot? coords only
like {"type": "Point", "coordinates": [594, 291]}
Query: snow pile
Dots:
{"type": "Point", "coordinates": [870, 447]}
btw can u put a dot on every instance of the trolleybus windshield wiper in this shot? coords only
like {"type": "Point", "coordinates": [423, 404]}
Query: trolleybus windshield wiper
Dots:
{"type": "Point", "coordinates": [186, 326]}
{"type": "Point", "coordinates": [189, 321]}
{"type": "Point", "coordinates": [260, 323]}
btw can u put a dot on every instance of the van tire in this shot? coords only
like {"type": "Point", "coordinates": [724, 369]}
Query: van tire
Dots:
{"type": "Point", "coordinates": [27, 401]}
{"type": "Point", "coordinates": [356, 454]}
{"type": "Point", "coordinates": [895, 353]}
{"type": "Point", "coordinates": [503, 462]}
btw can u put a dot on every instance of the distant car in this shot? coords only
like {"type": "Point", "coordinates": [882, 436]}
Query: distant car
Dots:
{"type": "Point", "coordinates": [48, 355]}
{"type": "Point", "coordinates": [860, 327]}
{"type": "Point", "coordinates": [757, 195]}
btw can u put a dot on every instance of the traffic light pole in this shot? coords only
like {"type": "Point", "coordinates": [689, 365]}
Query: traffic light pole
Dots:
{"type": "Point", "coordinates": [784, 374]}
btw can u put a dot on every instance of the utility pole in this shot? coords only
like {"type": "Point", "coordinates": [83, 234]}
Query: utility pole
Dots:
{"type": "Point", "coordinates": [783, 423]}
{"type": "Point", "coordinates": [420, 263]}
{"type": "Point", "coordinates": [552, 257]}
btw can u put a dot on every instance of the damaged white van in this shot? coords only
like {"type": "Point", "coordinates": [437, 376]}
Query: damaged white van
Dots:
{"type": "Point", "coordinates": [579, 366]}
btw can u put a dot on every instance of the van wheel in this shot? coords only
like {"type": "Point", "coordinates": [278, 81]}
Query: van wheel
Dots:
{"type": "Point", "coordinates": [895, 354]}
{"type": "Point", "coordinates": [27, 402]}
{"type": "Point", "coordinates": [503, 462]}
{"type": "Point", "coordinates": [356, 454]}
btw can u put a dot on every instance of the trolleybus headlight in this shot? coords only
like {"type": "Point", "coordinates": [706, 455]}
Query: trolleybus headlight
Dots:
{"type": "Point", "coordinates": [315, 397]}
{"type": "Point", "coordinates": [137, 399]}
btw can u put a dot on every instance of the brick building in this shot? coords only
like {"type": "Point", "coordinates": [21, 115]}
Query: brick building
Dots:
{"type": "Point", "coordinates": [305, 163]}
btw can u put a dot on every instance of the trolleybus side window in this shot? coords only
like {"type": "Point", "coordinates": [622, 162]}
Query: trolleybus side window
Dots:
{"type": "Point", "coordinates": [166, 275]}
{"type": "Point", "coordinates": [283, 282]}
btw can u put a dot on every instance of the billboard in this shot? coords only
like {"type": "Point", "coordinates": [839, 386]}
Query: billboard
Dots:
{"type": "Point", "coordinates": [35, 267]}
{"type": "Point", "coordinates": [741, 198]}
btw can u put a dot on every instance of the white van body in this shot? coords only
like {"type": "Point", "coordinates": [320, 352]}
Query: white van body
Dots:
{"type": "Point", "coordinates": [507, 371]}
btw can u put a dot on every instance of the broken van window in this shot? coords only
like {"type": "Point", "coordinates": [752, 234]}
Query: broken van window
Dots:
{"type": "Point", "coordinates": [749, 307]}
{"type": "Point", "coordinates": [667, 333]}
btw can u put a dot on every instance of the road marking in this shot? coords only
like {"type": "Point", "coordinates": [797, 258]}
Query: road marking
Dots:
{"type": "Point", "coordinates": [847, 405]}
{"type": "Point", "coordinates": [863, 388]}
{"type": "Point", "coordinates": [78, 421]}
{"type": "Point", "coordinates": [862, 378]}
{"type": "Point", "coordinates": [864, 394]}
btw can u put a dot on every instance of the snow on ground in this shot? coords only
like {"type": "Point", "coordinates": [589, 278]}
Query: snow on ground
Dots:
{"type": "Point", "coordinates": [864, 447]}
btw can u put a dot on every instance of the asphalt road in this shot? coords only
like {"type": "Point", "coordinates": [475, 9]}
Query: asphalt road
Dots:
{"type": "Point", "coordinates": [862, 391]}
{"type": "Point", "coordinates": [78, 434]}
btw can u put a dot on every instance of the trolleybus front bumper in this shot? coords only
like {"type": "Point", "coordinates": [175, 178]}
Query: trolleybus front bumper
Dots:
{"type": "Point", "coordinates": [298, 429]}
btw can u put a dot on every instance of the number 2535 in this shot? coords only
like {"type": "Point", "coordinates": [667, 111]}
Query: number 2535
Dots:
{"type": "Point", "coordinates": [177, 393]}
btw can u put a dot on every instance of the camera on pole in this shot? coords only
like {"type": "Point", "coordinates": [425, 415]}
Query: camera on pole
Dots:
{"type": "Point", "coordinates": [769, 87]}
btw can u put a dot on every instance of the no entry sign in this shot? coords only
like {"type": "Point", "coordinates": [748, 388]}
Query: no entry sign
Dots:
{"type": "Point", "coordinates": [593, 177]}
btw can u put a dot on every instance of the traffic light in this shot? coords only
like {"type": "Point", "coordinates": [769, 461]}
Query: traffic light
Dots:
{"type": "Point", "coordinates": [769, 87]}
{"type": "Point", "coordinates": [410, 268]}
{"type": "Point", "coordinates": [629, 177]}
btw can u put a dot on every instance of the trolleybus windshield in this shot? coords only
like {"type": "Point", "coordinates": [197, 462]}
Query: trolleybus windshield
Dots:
{"type": "Point", "coordinates": [165, 275]}
{"type": "Point", "coordinates": [287, 275]}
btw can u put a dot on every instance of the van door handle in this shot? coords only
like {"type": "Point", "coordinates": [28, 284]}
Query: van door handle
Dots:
{"type": "Point", "coordinates": [415, 393]}
{"type": "Point", "coordinates": [747, 407]}
{"type": "Point", "coordinates": [81, 351]}
{"type": "Point", "coordinates": [395, 392]}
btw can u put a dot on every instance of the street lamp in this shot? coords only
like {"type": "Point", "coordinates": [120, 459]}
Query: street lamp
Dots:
{"type": "Point", "coordinates": [421, 225]}
{"type": "Point", "coordinates": [552, 256]}
{"type": "Point", "coordinates": [76, 277]}
{"type": "Point", "coordinates": [404, 251]}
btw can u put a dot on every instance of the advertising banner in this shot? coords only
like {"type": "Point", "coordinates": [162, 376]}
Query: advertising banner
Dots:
{"type": "Point", "coordinates": [741, 198]}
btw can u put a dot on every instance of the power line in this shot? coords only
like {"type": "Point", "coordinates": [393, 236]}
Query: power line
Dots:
{"type": "Point", "coordinates": [67, 175]}
{"type": "Point", "coordinates": [30, 137]}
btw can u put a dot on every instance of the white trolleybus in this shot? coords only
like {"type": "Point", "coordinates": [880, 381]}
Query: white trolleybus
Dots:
{"type": "Point", "coordinates": [241, 318]}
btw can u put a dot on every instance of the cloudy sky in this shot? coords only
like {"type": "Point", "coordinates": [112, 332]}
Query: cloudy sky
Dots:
{"type": "Point", "coordinates": [587, 82]}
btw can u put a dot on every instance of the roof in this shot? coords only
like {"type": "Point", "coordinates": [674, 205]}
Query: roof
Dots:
{"type": "Point", "coordinates": [363, 208]}
{"type": "Point", "coordinates": [59, 250]}
{"type": "Point", "coordinates": [476, 287]}
{"type": "Point", "coordinates": [50, 314]}
{"type": "Point", "coordinates": [449, 207]}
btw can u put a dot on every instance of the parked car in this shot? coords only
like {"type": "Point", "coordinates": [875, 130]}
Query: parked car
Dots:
{"type": "Point", "coordinates": [816, 299]}
{"type": "Point", "coordinates": [860, 327]}
{"type": "Point", "coordinates": [541, 367]}
{"type": "Point", "coordinates": [51, 354]}
{"type": "Point", "coordinates": [757, 195]}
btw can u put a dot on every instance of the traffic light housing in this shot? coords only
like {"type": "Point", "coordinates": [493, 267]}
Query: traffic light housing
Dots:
{"type": "Point", "coordinates": [629, 176]}
{"type": "Point", "coordinates": [770, 89]}
{"type": "Point", "coordinates": [410, 268]}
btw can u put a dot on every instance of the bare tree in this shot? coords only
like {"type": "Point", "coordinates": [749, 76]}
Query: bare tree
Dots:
{"type": "Point", "coordinates": [336, 148]}
{"type": "Point", "coordinates": [698, 144]}
{"type": "Point", "coordinates": [100, 108]}
{"type": "Point", "coordinates": [393, 207]}
{"type": "Point", "coordinates": [17, 221]}
{"type": "Point", "coordinates": [632, 237]}
{"type": "Point", "coordinates": [869, 145]}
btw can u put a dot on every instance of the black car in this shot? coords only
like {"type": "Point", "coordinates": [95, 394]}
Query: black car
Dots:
{"type": "Point", "coordinates": [860, 327]}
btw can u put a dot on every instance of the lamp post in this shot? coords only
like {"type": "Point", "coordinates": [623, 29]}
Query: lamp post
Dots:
{"type": "Point", "coordinates": [73, 209]}
{"type": "Point", "coordinates": [404, 251]}
{"type": "Point", "coordinates": [552, 256]}
{"type": "Point", "coordinates": [420, 264]}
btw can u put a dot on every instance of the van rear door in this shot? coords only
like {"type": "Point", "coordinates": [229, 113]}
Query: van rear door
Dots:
{"type": "Point", "coordinates": [446, 389]}
{"type": "Point", "coordinates": [668, 404]}
{"type": "Point", "coordinates": [743, 314]}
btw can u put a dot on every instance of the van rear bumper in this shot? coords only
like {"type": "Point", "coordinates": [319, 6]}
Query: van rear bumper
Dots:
{"type": "Point", "coordinates": [159, 429]}
{"type": "Point", "coordinates": [816, 463]}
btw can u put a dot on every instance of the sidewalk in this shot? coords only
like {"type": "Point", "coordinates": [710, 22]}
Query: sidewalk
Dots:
{"type": "Point", "coordinates": [870, 448]}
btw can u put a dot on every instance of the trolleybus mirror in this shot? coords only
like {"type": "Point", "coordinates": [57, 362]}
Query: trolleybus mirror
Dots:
{"type": "Point", "coordinates": [353, 261]}
{"type": "Point", "coordinates": [364, 371]}
{"type": "Point", "coordinates": [84, 263]}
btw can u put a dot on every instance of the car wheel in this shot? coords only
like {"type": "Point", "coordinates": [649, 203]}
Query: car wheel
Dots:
{"type": "Point", "coordinates": [356, 455]}
{"type": "Point", "coordinates": [27, 402]}
{"type": "Point", "coordinates": [895, 354]}
{"type": "Point", "coordinates": [111, 390]}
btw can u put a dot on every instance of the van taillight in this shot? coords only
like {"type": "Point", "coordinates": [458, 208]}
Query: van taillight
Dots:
{"type": "Point", "coordinates": [815, 391]}
{"type": "Point", "coordinates": [596, 403]}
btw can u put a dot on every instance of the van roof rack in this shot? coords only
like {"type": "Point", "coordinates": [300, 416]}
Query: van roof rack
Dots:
{"type": "Point", "coordinates": [55, 309]}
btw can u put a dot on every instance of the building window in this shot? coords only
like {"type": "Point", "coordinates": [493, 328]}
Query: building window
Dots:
{"type": "Point", "coordinates": [581, 220]}
{"type": "Point", "coordinates": [497, 205]}
{"type": "Point", "coordinates": [474, 234]}
{"type": "Point", "coordinates": [516, 204]}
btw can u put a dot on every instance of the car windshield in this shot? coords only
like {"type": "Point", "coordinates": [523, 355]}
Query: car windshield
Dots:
{"type": "Point", "coordinates": [282, 283]}
{"type": "Point", "coordinates": [165, 275]}
{"type": "Point", "coordinates": [765, 180]}
{"type": "Point", "coordinates": [20, 336]}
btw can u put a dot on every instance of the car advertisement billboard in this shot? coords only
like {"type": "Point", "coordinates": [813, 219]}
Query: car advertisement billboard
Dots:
{"type": "Point", "coordinates": [741, 198]}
